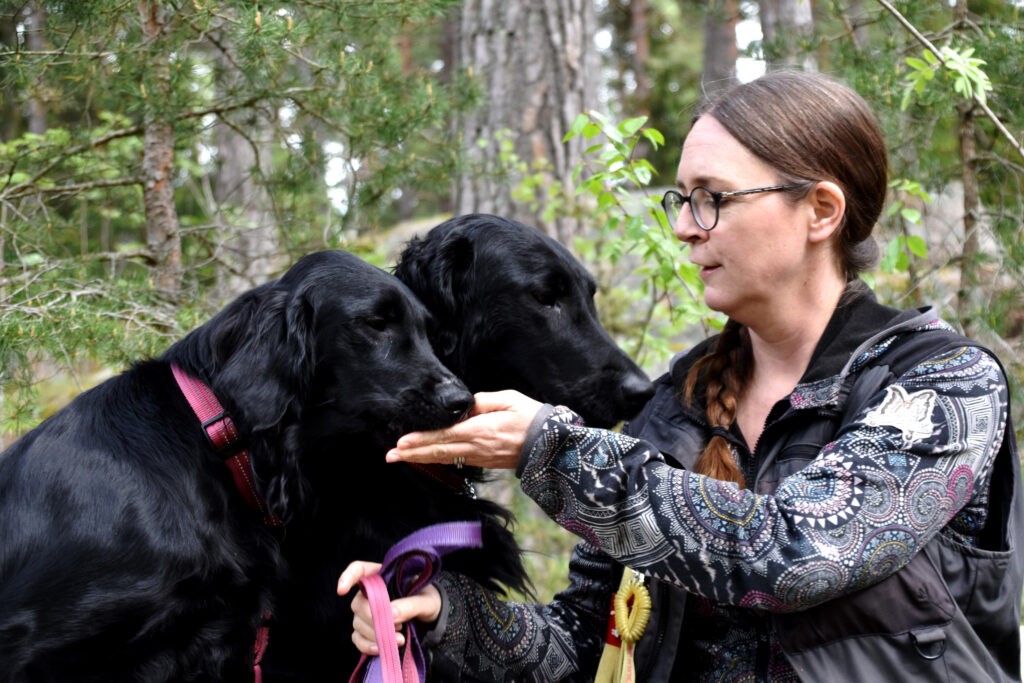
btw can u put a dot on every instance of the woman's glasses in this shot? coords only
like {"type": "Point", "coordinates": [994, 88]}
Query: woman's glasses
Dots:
{"type": "Point", "coordinates": [704, 203]}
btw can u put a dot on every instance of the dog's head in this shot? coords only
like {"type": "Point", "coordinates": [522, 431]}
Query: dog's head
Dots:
{"type": "Point", "coordinates": [335, 351]}
{"type": "Point", "coordinates": [513, 309]}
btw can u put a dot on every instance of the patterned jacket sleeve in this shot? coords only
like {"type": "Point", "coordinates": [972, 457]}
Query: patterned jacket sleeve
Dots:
{"type": "Point", "coordinates": [480, 637]}
{"type": "Point", "coordinates": [914, 462]}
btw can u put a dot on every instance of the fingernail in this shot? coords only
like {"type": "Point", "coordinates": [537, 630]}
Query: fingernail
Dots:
{"type": "Point", "coordinates": [392, 456]}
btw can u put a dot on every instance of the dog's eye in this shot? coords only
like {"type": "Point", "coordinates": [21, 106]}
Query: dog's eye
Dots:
{"type": "Point", "coordinates": [379, 324]}
{"type": "Point", "coordinates": [544, 299]}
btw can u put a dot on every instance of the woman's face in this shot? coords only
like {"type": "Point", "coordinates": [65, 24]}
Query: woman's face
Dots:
{"type": "Point", "coordinates": [754, 260]}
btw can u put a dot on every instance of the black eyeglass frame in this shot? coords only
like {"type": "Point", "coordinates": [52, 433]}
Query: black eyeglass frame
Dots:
{"type": "Point", "coordinates": [717, 197]}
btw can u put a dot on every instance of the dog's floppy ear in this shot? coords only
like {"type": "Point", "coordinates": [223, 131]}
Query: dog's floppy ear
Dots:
{"type": "Point", "coordinates": [436, 271]}
{"type": "Point", "coordinates": [265, 350]}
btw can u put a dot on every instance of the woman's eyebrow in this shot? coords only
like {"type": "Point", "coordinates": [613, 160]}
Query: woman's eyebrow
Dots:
{"type": "Point", "coordinates": [706, 181]}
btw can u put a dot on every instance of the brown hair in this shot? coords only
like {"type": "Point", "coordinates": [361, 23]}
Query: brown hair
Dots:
{"type": "Point", "coordinates": [809, 128]}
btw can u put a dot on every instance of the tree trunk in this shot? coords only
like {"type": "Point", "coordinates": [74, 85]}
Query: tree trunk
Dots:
{"type": "Point", "coordinates": [972, 203]}
{"type": "Point", "coordinates": [35, 40]}
{"type": "Point", "coordinates": [10, 111]}
{"type": "Point", "coordinates": [537, 68]}
{"type": "Point", "coordinates": [639, 34]}
{"type": "Point", "coordinates": [720, 50]}
{"type": "Point", "coordinates": [162, 235]}
{"type": "Point", "coordinates": [251, 244]}
{"type": "Point", "coordinates": [783, 24]}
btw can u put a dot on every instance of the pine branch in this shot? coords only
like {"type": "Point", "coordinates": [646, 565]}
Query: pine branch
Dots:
{"type": "Point", "coordinates": [938, 55]}
{"type": "Point", "coordinates": [70, 188]}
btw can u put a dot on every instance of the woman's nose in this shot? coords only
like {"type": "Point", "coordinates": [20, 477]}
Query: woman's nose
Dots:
{"type": "Point", "coordinates": [686, 228]}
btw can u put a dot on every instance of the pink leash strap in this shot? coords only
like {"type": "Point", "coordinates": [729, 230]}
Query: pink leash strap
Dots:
{"type": "Point", "coordinates": [222, 434]}
{"type": "Point", "coordinates": [408, 566]}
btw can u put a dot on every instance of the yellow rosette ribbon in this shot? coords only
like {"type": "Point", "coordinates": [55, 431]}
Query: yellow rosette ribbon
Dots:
{"type": "Point", "coordinates": [631, 608]}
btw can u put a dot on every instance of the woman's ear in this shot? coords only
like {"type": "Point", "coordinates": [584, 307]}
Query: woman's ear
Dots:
{"type": "Point", "coordinates": [827, 203]}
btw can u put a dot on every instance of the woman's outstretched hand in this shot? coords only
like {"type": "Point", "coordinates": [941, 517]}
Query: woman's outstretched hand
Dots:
{"type": "Point", "coordinates": [492, 436]}
{"type": "Point", "coordinates": [424, 606]}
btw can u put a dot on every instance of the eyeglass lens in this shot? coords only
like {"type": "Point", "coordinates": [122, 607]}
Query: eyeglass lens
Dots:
{"type": "Point", "coordinates": [703, 206]}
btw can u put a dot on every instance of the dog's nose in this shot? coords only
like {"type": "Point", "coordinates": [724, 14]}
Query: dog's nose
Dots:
{"type": "Point", "coordinates": [454, 398]}
{"type": "Point", "coordinates": [637, 390]}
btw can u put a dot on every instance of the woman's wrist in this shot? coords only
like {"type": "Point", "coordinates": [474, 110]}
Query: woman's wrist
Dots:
{"type": "Point", "coordinates": [532, 434]}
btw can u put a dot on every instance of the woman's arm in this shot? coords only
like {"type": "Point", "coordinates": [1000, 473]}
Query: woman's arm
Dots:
{"type": "Point", "coordinates": [915, 460]}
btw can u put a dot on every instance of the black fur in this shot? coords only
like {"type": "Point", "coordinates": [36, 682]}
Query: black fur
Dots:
{"type": "Point", "coordinates": [511, 309]}
{"type": "Point", "coordinates": [127, 554]}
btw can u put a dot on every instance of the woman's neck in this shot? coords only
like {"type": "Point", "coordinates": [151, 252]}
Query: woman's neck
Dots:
{"type": "Point", "coordinates": [783, 342]}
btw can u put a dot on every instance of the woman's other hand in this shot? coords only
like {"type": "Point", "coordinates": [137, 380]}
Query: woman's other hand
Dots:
{"type": "Point", "coordinates": [424, 606]}
{"type": "Point", "coordinates": [492, 436]}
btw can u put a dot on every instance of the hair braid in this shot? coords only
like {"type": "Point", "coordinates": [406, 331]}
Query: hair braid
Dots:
{"type": "Point", "coordinates": [726, 369]}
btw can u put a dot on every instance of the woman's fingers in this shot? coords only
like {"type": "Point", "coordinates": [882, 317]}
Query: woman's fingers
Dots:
{"type": "Point", "coordinates": [425, 606]}
{"type": "Point", "coordinates": [354, 573]}
{"type": "Point", "coordinates": [491, 438]}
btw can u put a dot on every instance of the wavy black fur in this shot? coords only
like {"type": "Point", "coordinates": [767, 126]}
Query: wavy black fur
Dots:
{"type": "Point", "coordinates": [126, 554]}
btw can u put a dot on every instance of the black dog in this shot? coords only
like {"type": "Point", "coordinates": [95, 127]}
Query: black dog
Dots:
{"type": "Point", "coordinates": [127, 553]}
{"type": "Point", "coordinates": [511, 309]}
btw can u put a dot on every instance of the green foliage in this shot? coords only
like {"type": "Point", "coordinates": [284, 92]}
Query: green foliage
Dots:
{"type": "Point", "coordinates": [632, 230]}
{"type": "Point", "coordinates": [309, 86]}
{"type": "Point", "coordinates": [963, 70]}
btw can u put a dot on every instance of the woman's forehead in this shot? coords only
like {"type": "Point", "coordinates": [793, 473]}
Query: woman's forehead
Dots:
{"type": "Point", "coordinates": [712, 155]}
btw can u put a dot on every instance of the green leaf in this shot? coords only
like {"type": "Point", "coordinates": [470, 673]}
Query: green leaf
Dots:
{"type": "Point", "coordinates": [918, 64]}
{"type": "Point", "coordinates": [654, 136]}
{"type": "Point", "coordinates": [917, 246]}
{"type": "Point", "coordinates": [912, 215]}
{"type": "Point", "coordinates": [577, 126]}
{"type": "Point", "coordinates": [631, 126]}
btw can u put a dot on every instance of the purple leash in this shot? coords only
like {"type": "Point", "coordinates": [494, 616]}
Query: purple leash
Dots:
{"type": "Point", "coordinates": [408, 566]}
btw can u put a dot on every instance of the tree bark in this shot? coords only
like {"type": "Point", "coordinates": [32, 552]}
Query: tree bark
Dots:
{"type": "Point", "coordinates": [640, 35]}
{"type": "Point", "coordinates": [10, 110]}
{"type": "Point", "coordinates": [162, 235]}
{"type": "Point", "coordinates": [251, 243]}
{"type": "Point", "coordinates": [35, 40]}
{"type": "Point", "coordinates": [972, 204]}
{"type": "Point", "coordinates": [720, 50]}
{"type": "Point", "coordinates": [783, 24]}
{"type": "Point", "coordinates": [537, 68]}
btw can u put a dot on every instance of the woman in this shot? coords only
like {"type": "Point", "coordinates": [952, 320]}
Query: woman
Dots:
{"type": "Point", "coordinates": [827, 490]}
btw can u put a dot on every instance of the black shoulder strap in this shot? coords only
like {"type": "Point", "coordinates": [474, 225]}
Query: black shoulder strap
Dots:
{"type": "Point", "coordinates": [911, 350]}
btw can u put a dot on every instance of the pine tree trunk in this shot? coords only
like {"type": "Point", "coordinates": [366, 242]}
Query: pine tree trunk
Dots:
{"type": "Point", "coordinates": [537, 68]}
{"type": "Point", "coordinates": [972, 203]}
{"type": "Point", "coordinates": [250, 242]}
{"type": "Point", "coordinates": [720, 50]}
{"type": "Point", "coordinates": [35, 39]}
{"type": "Point", "coordinates": [783, 24]}
{"type": "Point", "coordinates": [639, 34]}
{"type": "Point", "coordinates": [162, 235]}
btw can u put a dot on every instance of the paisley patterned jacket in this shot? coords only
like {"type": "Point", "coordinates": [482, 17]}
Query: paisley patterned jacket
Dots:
{"type": "Point", "coordinates": [874, 541]}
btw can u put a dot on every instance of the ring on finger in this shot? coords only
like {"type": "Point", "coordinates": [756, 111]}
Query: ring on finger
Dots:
{"type": "Point", "coordinates": [459, 461]}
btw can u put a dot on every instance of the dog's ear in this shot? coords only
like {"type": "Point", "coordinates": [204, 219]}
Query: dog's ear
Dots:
{"type": "Point", "coordinates": [265, 350]}
{"type": "Point", "coordinates": [436, 271]}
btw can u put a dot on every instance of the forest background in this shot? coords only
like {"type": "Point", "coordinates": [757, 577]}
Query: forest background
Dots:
{"type": "Point", "coordinates": [158, 157]}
